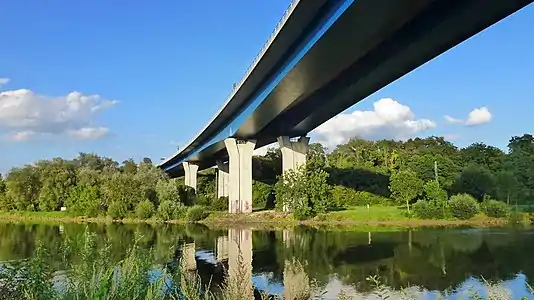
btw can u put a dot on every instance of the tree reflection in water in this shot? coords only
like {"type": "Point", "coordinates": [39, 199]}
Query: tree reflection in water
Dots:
{"type": "Point", "coordinates": [426, 259]}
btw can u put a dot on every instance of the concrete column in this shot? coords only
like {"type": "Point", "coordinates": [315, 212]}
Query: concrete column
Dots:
{"type": "Point", "coordinates": [190, 174]}
{"type": "Point", "coordinates": [240, 170]}
{"type": "Point", "coordinates": [223, 177]}
{"type": "Point", "coordinates": [293, 153]}
{"type": "Point", "coordinates": [240, 261]}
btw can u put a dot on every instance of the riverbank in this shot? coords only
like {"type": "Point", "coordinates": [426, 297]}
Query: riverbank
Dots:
{"type": "Point", "coordinates": [386, 216]}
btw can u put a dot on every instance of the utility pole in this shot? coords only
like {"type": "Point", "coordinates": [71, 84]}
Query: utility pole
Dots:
{"type": "Point", "coordinates": [436, 171]}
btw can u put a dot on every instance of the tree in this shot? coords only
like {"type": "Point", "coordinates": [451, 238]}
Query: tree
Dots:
{"type": "Point", "coordinates": [433, 192]}
{"type": "Point", "coordinates": [167, 190]}
{"type": "Point", "coordinates": [475, 180]}
{"type": "Point", "coordinates": [85, 200]}
{"type": "Point", "coordinates": [129, 166]}
{"type": "Point", "coordinates": [23, 187]}
{"type": "Point", "coordinates": [58, 177]}
{"type": "Point", "coordinates": [507, 185]}
{"type": "Point", "coordinates": [124, 190]}
{"type": "Point", "coordinates": [405, 186]}
{"type": "Point", "coordinates": [484, 155]}
{"type": "Point", "coordinates": [4, 205]}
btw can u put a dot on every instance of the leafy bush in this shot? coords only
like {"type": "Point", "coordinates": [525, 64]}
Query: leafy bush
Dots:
{"type": "Point", "coordinates": [117, 209]}
{"type": "Point", "coordinates": [187, 195]}
{"type": "Point", "coordinates": [84, 200]}
{"type": "Point", "coordinates": [203, 200]}
{"type": "Point", "coordinates": [220, 204]}
{"type": "Point", "coordinates": [144, 210]}
{"type": "Point", "coordinates": [433, 192]}
{"type": "Point", "coordinates": [167, 210]}
{"type": "Point", "coordinates": [495, 209]}
{"type": "Point", "coordinates": [180, 211]}
{"type": "Point", "coordinates": [197, 213]}
{"type": "Point", "coordinates": [262, 195]}
{"type": "Point", "coordinates": [429, 209]}
{"type": "Point", "coordinates": [305, 193]}
{"type": "Point", "coordinates": [463, 206]}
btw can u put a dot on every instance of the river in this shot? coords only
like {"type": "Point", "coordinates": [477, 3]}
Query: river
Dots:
{"type": "Point", "coordinates": [423, 261]}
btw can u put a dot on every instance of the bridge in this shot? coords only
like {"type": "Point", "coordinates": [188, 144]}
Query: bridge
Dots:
{"type": "Point", "coordinates": [323, 57]}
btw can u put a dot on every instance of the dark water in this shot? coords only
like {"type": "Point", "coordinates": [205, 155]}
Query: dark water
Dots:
{"type": "Point", "coordinates": [428, 261]}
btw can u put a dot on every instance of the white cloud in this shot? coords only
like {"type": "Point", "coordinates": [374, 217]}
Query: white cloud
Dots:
{"type": "Point", "coordinates": [4, 81]}
{"type": "Point", "coordinates": [89, 133]}
{"type": "Point", "coordinates": [23, 111]}
{"type": "Point", "coordinates": [22, 136]}
{"type": "Point", "coordinates": [477, 116]}
{"type": "Point", "coordinates": [453, 120]}
{"type": "Point", "coordinates": [389, 119]}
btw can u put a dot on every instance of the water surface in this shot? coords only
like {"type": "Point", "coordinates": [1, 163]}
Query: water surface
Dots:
{"type": "Point", "coordinates": [429, 261]}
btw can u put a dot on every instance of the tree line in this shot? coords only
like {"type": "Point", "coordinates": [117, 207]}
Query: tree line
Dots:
{"type": "Point", "coordinates": [359, 172]}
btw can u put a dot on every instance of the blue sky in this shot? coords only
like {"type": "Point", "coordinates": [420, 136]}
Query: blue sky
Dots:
{"type": "Point", "coordinates": [160, 71]}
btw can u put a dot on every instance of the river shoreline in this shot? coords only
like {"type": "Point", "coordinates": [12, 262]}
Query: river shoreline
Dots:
{"type": "Point", "coordinates": [264, 220]}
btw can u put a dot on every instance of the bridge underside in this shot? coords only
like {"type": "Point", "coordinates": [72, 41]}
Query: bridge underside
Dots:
{"type": "Point", "coordinates": [372, 44]}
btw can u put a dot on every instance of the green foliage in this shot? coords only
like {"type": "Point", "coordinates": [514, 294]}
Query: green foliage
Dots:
{"type": "Point", "coordinates": [85, 200]}
{"type": "Point", "coordinates": [197, 213]}
{"type": "Point", "coordinates": [429, 209]}
{"type": "Point", "coordinates": [122, 188]}
{"type": "Point", "coordinates": [167, 210]}
{"type": "Point", "coordinates": [220, 204]}
{"type": "Point", "coordinates": [405, 186]}
{"type": "Point", "coordinates": [475, 180]}
{"type": "Point", "coordinates": [117, 209]}
{"type": "Point", "coordinates": [262, 195]}
{"type": "Point", "coordinates": [167, 190]}
{"type": "Point", "coordinates": [186, 195]}
{"type": "Point", "coordinates": [304, 192]}
{"type": "Point", "coordinates": [495, 209]}
{"type": "Point", "coordinates": [463, 206]}
{"type": "Point", "coordinates": [145, 209]}
{"type": "Point", "coordinates": [433, 192]}
{"type": "Point", "coordinates": [23, 187]}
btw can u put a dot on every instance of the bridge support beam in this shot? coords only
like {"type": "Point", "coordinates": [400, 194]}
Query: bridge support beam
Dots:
{"type": "Point", "coordinates": [223, 177]}
{"type": "Point", "coordinates": [293, 153]}
{"type": "Point", "coordinates": [240, 171]}
{"type": "Point", "coordinates": [190, 175]}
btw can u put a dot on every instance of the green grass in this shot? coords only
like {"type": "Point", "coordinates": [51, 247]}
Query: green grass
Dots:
{"type": "Point", "coordinates": [374, 213]}
{"type": "Point", "coordinates": [36, 214]}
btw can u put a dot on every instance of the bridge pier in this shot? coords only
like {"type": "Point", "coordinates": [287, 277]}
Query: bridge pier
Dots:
{"type": "Point", "coordinates": [293, 153]}
{"type": "Point", "coordinates": [240, 173]}
{"type": "Point", "coordinates": [223, 177]}
{"type": "Point", "coordinates": [190, 174]}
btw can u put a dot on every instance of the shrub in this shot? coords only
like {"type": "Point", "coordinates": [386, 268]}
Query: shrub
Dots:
{"type": "Point", "coordinates": [463, 206]}
{"type": "Point", "coordinates": [187, 195]}
{"type": "Point", "coordinates": [117, 209]}
{"type": "Point", "coordinates": [495, 209]}
{"type": "Point", "coordinates": [180, 211]}
{"type": "Point", "coordinates": [203, 200]}
{"type": "Point", "coordinates": [220, 204]}
{"type": "Point", "coordinates": [262, 195]}
{"type": "Point", "coordinates": [167, 210]}
{"type": "Point", "coordinates": [197, 213]}
{"type": "Point", "coordinates": [433, 192]}
{"type": "Point", "coordinates": [145, 209]}
{"type": "Point", "coordinates": [429, 209]}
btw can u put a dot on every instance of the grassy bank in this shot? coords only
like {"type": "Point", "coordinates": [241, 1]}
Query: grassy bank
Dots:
{"type": "Point", "coordinates": [376, 216]}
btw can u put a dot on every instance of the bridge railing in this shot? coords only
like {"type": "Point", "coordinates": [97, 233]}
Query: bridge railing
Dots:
{"type": "Point", "coordinates": [275, 32]}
